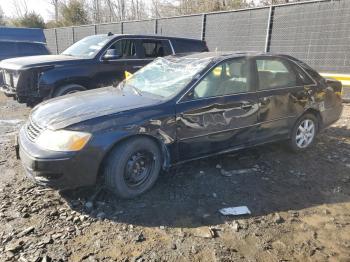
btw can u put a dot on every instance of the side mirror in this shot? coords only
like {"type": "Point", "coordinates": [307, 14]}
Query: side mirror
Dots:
{"type": "Point", "coordinates": [111, 54]}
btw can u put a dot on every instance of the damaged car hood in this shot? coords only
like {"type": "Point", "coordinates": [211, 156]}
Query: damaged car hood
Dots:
{"type": "Point", "coordinates": [22, 63]}
{"type": "Point", "coordinates": [64, 111]}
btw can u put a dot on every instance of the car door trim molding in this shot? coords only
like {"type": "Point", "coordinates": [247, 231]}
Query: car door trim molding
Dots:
{"type": "Point", "coordinates": [278, 88]}
{"type": "Point", "coordinates": [216, 132]}
{"type": "Point", "coordinates": [237, 128]}
{"type": "Point", "coordinates": [211, 97]}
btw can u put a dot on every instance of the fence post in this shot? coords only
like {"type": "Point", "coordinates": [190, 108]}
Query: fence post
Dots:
{"type": "Point", "coordinates": [73, 38]}
{"type": "Point", "coordinates": [204, 23]}
{"type": "Point", "coordinates": [122, 27]}
{"type": "Point", "coordinates": [269, 29]}
{"type": "Point", "coordinates": [155, 26]}
{"type": "Point", "coordinates": [56, 41]}
{"type": "Point", "coordinates": [95, 29]}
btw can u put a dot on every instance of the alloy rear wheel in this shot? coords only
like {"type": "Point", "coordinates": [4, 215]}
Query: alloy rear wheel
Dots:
{"type": "Point", "coordinates": [304, 133]}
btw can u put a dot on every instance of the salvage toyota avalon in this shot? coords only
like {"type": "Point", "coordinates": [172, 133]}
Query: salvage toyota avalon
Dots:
{"type": "Point", "coordinates": [174, 110]}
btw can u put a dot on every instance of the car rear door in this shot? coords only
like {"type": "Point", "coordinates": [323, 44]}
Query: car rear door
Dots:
{"type": "Point", "coordinates": [219, 113]}
{"type": "Point", "coordinates": [282, 96]}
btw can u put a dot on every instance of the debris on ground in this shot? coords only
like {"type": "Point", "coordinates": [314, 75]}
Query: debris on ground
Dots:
{"type": "Point", "coordinates": [235, 211]}
{"type": "Point", "coordinates": [236, 172]}
{"type": "Point", "coordinates": [204, 232]}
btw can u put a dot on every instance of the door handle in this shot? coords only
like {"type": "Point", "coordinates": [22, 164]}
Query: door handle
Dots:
{"type": "Point", "coordinates": [137, 67]}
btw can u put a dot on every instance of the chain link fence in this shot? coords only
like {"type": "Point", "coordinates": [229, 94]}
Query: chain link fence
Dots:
{"type": "Point", "coordinates": [316, 32]}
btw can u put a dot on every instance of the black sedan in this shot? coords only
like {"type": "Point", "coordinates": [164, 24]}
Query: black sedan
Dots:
{"type": "Point", "coordinates": [175, 109]}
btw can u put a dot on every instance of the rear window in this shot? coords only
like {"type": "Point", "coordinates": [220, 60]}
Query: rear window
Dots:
{"type": "Point", "coordinates": [153, 48]}
{"type": "Point", "coordinates": [188, 46]}
{"type": "Point", "coordinates": [274, 73]}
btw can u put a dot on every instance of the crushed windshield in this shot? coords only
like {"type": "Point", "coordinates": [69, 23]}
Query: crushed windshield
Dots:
{"type": "Point", "coordinates": [165, 77]}
{"type": "Point", "coordinates": [88, 47]}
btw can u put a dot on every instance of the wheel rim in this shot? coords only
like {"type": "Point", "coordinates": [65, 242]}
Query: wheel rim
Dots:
{"type": "Point", "coordinates": [305, 133]}
{"type": "Point", "coordinates": [139, 168]}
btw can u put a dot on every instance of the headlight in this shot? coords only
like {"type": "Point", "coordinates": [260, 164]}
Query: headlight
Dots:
{"type": "Point", "coordinates": [63, 140]}
{"type": "Point", "coordinates": [15, 77]}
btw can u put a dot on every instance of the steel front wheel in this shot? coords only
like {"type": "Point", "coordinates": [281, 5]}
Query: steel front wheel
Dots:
{"type": "Point", "coordinates": [304, 133]}
{"type": "Point", "coordinates": [133, 167]}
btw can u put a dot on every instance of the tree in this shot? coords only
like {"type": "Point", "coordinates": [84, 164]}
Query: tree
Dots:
{"type": "Point", "coordinates": [31, 19]}
{"type": "Point", "coordinates": [20, 7]}
{"type": "Point", "coordinates": [161, 8]}
{"type": "Point", "coordinates": [2, 17]}
{"type": "Point", "coordinates": [74, 13]}
{"type": "Point", "coordinates": [55, 4]}
{"type": "Point", "coordinates": [276, 2]}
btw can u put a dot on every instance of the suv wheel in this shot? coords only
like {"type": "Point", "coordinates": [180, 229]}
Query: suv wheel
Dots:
{"type": "Point", "coordinates": [133, 167]}
{"type": "Point", "coordinates": [304, 133]}
{"type": "Point", "coordinates": [68, 89]}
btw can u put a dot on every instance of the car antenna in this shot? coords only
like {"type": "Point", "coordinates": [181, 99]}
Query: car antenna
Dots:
{"type": "Point", "coordinates": [109, 34]}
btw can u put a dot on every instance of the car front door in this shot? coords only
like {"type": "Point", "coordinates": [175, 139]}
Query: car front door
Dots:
{"type": "Point", "coordinates": [219, 113]}
{"type": "Point", "coordinates": [150, 49]}
{"type": "Point", "coordinates": [129, 59]}
{"type": "Point", "coordinates": [282, 96]}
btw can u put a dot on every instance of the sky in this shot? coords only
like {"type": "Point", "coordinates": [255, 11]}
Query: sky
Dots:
{"type": "Point", "coordinates": [39, 6]}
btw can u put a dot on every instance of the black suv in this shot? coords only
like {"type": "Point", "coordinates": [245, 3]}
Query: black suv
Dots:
{"type": "Point", "coordinates": [10, 49]}
{"type": "Point", "coordinates": [95, 61]}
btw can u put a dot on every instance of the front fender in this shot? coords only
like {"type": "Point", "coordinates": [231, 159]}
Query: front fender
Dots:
{"type": "Point", "coordinates": [62, 75]}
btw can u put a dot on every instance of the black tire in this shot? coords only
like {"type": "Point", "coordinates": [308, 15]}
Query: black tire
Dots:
{"type": "Point", "coordinates": [293, 142]}
{"type": "Point", "coordinates": [68, 89]}
{"type": "Point", "coordinates": [129, 156]}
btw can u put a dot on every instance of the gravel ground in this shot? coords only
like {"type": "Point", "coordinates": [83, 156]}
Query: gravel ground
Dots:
{"type": "Point", "coordinates": [299, 203]}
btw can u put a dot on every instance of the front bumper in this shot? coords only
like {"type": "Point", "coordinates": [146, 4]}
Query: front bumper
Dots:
{"type": "Point", "coordinates": [59, 170]}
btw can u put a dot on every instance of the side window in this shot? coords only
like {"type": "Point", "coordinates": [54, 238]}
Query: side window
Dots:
{"type": "Point", "coordinates": [153, 48]}
{"type": "Point", "coordinates": [126, 48]}
{"type": "Point", "coordinates": [188, 46]}
{"type": "Point", "coordinates": [30, 49]}
{"type": "Point", "coordinates": [231, 77]}
{"type": "Point", "coordinates": [273, 73]}
{"type": "Point", "coordinates": [7, 49]}
{"type": "Point", "coordinates": [304, 78]}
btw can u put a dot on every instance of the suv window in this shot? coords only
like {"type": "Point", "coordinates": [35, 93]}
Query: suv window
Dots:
{"type": "Point", "coordinates": [126, 48]}
{"type": "Point", "coordinates": [273, 73]}
{"type": "Point", "coordinates": [153, 48]}
{"type": "Point", "coordinates": [31, 49]}
{"type": "Point", "coordinates": [7, 49]}
{"type": "Point", "coordinates": [230, 77]}
{"type": "Point", "coordinates": [188, 46]}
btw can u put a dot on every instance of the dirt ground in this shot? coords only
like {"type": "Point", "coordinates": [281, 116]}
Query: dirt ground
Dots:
{"type": "Point", "coordinates": [299, 203]}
